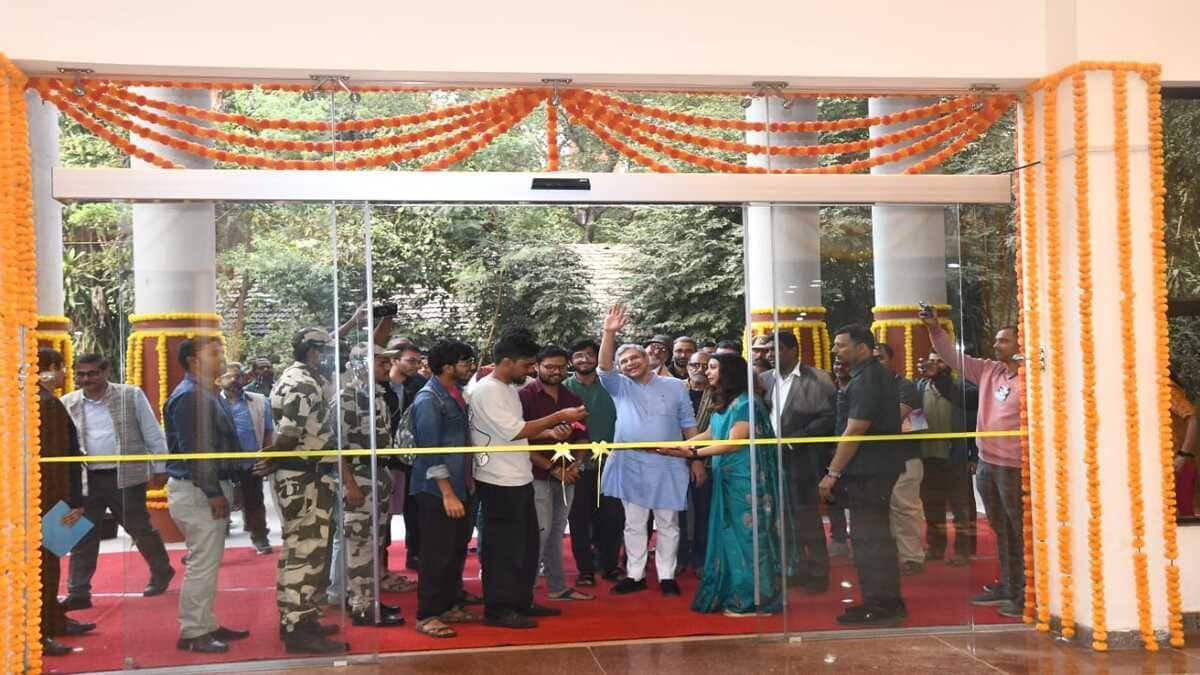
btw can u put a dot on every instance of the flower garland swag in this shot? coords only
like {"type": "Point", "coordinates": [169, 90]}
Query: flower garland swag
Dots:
{"type": "Point", "coordinates": [1086, 323]}
{"type": "Point", "coordinates": [111, 109]}
{"type": "Point", "coordinates": [796, 321]}
{"type": "Point", "coordinates": [1036, 551]}
{"type": "Point", "coordinates": [1152, 76]}
{"type": "Point", "coordinates": [20, 559]}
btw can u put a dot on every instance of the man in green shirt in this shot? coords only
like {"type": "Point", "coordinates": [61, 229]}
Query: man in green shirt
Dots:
{"type": "Point", "coordinates": [596, 533]}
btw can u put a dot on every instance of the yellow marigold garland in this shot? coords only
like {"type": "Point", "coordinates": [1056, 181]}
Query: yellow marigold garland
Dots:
{"type": "Point", "coordinates": [908, 351]}
{"type": "Point", "coordinates": [61, 342]}
{"type": "Point", "coordinates": [1152, 75]}
{"type": "Point", "coordinates": [1086, 325]}
{"type": "Point", "coordinates": [1128, 362]}
{"type": "Point", "coordinates": [174, 316]}
{"type": "Point", "coordinates": [551, 135]}
{"type": "Point", "coordinates": [1027, 279]}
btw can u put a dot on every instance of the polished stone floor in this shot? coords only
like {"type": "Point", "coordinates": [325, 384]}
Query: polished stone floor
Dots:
{"type": "Point", "coordinates": [1007, 652]}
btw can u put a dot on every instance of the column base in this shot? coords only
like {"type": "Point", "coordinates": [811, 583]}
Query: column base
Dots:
{"type": "Point", "coordinates": [154, 339]}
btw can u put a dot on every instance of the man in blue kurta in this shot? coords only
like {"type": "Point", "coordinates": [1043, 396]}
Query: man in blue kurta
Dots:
{"type": "Point", "coordinates": [656, 410]}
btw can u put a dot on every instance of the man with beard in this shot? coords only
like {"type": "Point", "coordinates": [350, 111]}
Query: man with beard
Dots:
{"type": "Point", "coordinates": [504, 480]}
{"type": "Point", "coordinates": [693, 528]}
{"type": "Point", "coordinates": [554, 480]}
{"type": "Point", "coordinates": [681, 353]}
{"type": "Point", "coordinates": [658, 352]}
{"type": "Point", "coordinates": [595, 528]}
{"type": "Point", "coordinates": [655, 410]}
{"type": "Point", "coordinates": [255, 430]}
{"type": "Point", "coordinates": [262, 377]}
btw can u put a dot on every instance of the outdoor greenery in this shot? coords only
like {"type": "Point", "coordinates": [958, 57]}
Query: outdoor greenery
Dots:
{"type": "Point", "coordinates": [477, 271]}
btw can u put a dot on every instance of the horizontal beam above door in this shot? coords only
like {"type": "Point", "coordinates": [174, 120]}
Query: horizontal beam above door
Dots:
{"type": "Point", "coordinates": [176, 185]}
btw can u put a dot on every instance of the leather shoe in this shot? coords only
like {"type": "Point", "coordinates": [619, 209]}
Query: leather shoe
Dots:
{"type": "Point", "coordinates": [367, 618]}
{"type": "Point", "coordinates": [159, 586]}
{"type": "Point", "coordinates": [229, 634]}
{"type": "Point", "coordinates": [539, 610]}
{"type": "Point", "coordinates": [613, 574]}
{"type": "Point", "coordinates": [628, 585]}
{"type": "Point", "coordinates": [510, 620]}
{"type": "Point", "coordinates": [669, 587]}
{"type": "Point", "coordinates": [205, 644]}
{"type": "Point", "coordinates": [73, 602]}
{"type": "Point", "coordinates": [73, 627]}
{"type": "Point", "coordinates": [52, 647]}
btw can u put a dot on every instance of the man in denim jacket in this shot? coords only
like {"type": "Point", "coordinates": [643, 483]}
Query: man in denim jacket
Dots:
{"type": "Point", "coordinates": [443, 488]}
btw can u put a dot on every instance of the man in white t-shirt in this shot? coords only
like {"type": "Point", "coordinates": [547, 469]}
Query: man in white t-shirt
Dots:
{"type": "Point", "coordinates": [504, 482]}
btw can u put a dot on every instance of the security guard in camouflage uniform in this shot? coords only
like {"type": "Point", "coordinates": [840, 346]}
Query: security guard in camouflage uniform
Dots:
{"type": "Point", "coordinates": [305, 486]}
{"type": "Point", "coordinates": [354, 405]}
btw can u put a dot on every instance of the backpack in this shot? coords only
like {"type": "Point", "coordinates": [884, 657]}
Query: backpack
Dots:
{"type": "Point", "coordinates": [404, 437]}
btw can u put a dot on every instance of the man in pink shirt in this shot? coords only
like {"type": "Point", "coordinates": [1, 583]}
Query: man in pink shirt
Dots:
{"type": "Point", "coordinates": [998, 477]}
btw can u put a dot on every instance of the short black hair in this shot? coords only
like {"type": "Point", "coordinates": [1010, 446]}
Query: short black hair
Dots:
{"type": "Point", "coordinates": [552, 351]}
{"type": "Point", "coordinates": [786, 339]}
{"type": "Point", "coordinates": [448, 352]}
{"type": "Point", "coordinates": [708, 343]}
{"type": "Point", "coordinates": [516, 344]}
{"type": "Point", "coordinates": [887, 350]}
{"type": "Point", "coordinates": [93, 358]}
{"type": "Point", "coordinates": [582, 344]}
{"type": "Point", "coordinates": [193, 346]}
{"type": "Point", "coordinates": [858, 334]}
{"type": "Point", "coordinates": [730, 344]}
{"type": "Point", "coordinates": [47, 358]}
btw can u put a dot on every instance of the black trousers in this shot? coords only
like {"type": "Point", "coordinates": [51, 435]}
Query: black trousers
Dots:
{"type": "Point", "coordinates": [869, 499]}
{"type": "Point", "coordinates": [509, 553]}
{"type": "Point", "coordinates": [947, 487]}
{"type": "Point", "coordinates": [254, 509]}
{"type": "Point", "coordinates": [596, 531]}
{"type": "Point", "coordinates": [412, 521]}
{"type": "Point", "coordinates": [805, 518]}
{"type": "Point", "coordinates": [693, 525]}
{"type": "Point", "coordinates": [54, 618]}
{"type": "Point", "coordinates": [443, 555]}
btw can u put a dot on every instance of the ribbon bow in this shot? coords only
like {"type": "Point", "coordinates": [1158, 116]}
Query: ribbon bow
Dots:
{"type": "Point", "coordinates": [599, 450]}
{"type": "Point", "coordinates": [561, 451]}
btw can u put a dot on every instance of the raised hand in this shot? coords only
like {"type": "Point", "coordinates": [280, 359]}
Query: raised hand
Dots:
{"type": "Point", "coordinates": [572, 414]}
{"type": "Point", "coordinates": [616, 319]}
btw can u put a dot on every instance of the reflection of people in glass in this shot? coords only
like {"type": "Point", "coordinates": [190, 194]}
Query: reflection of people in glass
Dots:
{"type": "Point", "coordinates": [200, 490]}
{"type": "Point", "coordinates": [948, 464]}
{"type": "Point", "coordinates": [255, 430]}
{"type": "Point", "coordinates": [867, 473]}
{"type": "Point", "coordinates": [1186, 427]}
{"type": "Point", "coordinates": [744, 497]}
{"type": "Point", "coordinates": [908, 515]}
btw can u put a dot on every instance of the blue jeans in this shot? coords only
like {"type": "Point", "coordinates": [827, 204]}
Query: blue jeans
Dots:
{"type": "Point", "coordinates": [552, 524]}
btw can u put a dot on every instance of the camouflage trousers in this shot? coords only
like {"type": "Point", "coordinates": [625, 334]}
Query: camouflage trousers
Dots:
{"type": "Point", "coordinates": [306, 505]}
{"type": "Point", "coordinates": [360, 546]}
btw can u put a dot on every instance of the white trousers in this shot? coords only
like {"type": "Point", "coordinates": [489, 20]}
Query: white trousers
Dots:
{"type": "Point", "coordinates": [908, 514]}
{"type": "Point", "coordinates": [205, 537]}
{"type": "Point", "coordinates": [637, 540]}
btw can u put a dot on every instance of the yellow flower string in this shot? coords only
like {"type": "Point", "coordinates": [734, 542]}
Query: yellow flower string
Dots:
{"type": "Point", "coordinates": [161, 356]}
{"type": "Point", "coordinates": [1027, 279]}
{"type": "Point", "coordinates": [1152, 75]}
{"type": "Point", "coordinates": [908, 351]}
{"type": "Point", "coordinates": [1058, 395]}
{"type": "Point", "coordinates": [1091, 424]}
{"type": "Point", "coordinates": [1128, 360]}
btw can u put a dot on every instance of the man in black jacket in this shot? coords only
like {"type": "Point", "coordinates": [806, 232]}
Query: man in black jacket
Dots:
{"type": "Point", "coordinates": [801, 404]}
{"type": "Point", "coordinates": [200, 490]}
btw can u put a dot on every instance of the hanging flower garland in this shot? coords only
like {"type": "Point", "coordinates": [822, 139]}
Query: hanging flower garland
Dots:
{"type": "Point", "coordinates": [1023, 197]}
{"type": "Point", "coordinates": [1152, 77]}
{"type": "Point", "coordinates": [551, 136]}
{"type": "Point", "coordinates": [1091, 423]}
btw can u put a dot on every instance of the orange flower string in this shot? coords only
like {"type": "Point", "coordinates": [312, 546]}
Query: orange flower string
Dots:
{"type": "Point", "coordinates": [1152, 75]}
{"type": "Point", "coordinates": [551, 136]}
{"type": "Point", "coordinates": [1026, 208]}
{"type": "Point", "coordinates": [1091, 423]}
{"type": "Point", "coordinates": [616, 143]}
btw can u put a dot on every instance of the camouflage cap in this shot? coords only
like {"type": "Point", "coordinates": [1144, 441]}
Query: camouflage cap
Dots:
{"type": "Point", "coordinates": [313, 338]}
{"type": "Point", "coordinates": [399, 345]}
{"type": "Point", "coordinates": [362, 351]}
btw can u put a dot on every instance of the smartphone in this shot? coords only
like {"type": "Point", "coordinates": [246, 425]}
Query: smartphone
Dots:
{"type": "Point", "coordinates": [384, 310]}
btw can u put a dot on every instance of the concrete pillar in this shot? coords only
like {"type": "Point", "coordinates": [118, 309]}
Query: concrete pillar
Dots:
{"type": "Point", "coordinates": [53, 329]}
{"type": "Point", "coordinates": [174, 267]}
{"type": "Point", "coordinates": [784, 243]}
{"type": "Point", "coordinates": [909, 247]}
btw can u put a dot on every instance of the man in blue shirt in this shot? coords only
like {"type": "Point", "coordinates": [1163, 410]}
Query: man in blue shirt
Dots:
{"type": "Point", "coordinates": [255, 430]}
{"type": "Point", "coordinates": [199, 490]}
{"type": "Point", "coordinates": [656, 410]}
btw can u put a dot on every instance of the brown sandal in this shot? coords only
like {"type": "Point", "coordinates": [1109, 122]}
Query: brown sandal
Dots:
{"type": "Point", "coordinates": [433, 627]}
{"type": "Point", "coordinates": [459, 615]}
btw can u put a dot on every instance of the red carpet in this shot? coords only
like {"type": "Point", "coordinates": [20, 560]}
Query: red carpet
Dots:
{"type": "Point", "coordinates": [144, 630]}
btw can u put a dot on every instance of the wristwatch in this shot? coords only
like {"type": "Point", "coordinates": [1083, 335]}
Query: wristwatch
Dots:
{"type": "Point", "coordinates": [834, 474]}
{"type": "Point", "coordinates": [695, 452]}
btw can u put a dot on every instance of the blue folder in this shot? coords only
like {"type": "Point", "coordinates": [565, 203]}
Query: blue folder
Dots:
{"type": "Point", "coordinates": [59, 539]}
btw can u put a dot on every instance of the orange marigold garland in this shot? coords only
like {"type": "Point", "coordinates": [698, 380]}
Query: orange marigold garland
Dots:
{"type": "Point", "coordinates": [1128, 352]}
{"type": "Point", "coordinates": [1086, 326]}
{"type": "Point", "coordinates": [1026, 209]}
{"type": "Point", "coordinates": [551, 136]}
{"type": "Point", "coordinates": [1151, 75]}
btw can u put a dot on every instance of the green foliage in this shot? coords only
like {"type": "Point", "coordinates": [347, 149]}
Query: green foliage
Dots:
{"type": "Point", "coordinates": [1181, 150]}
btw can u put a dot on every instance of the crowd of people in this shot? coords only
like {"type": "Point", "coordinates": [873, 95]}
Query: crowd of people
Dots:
{"type": "Point", "coordinates": [478, 458]}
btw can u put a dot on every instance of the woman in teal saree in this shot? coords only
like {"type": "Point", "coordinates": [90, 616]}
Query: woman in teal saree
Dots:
{"type": "Point", "coordinates": [728, 581]}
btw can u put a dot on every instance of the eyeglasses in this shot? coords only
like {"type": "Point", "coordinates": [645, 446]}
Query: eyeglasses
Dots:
{"type": "Point", "coordinates": [87, 373]}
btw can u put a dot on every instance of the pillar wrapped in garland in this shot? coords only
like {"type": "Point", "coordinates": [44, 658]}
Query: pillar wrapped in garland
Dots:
{"type": "Point", "coordinates": [806, 323]}
{"type": "Point", "coordinates": [901, 328]}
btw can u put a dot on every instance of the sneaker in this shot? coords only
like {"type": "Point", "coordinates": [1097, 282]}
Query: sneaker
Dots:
{"type": "Point", "coordinates": [628, 585]}
{"type": "Point", "coordinates": [989, 599]}
{"type": "Point", "coordinates": [839, 549]}
{"type": "Point", "coordinates": [1013, 609]}
{"type": "Point", "coordinates": [73, 602]}
{"type": "Point", "coordinates": [911, 567]}
{"type": "Point", "coordinates": [262, 546]}
{"type": "Point", "coordinates": [669, 587]}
